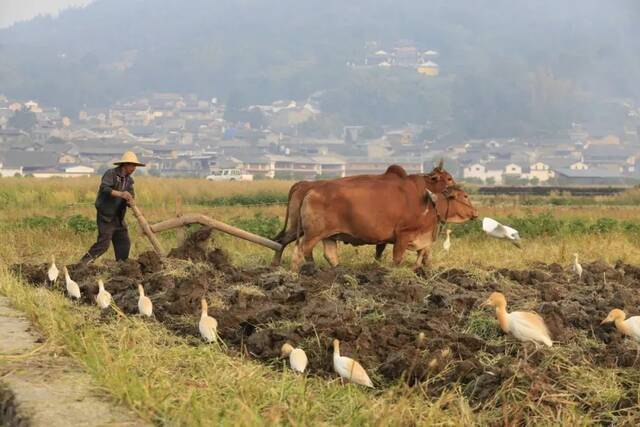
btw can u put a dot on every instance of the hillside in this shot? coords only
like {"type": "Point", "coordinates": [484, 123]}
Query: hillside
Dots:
{"type": "Point", "coordinates": [506, 68]}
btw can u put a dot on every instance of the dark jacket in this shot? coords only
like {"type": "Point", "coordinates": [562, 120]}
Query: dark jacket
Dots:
{"type": "Point", "coordinates": [110, 207]}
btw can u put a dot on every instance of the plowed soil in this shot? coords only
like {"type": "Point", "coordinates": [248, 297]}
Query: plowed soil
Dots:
{"type": "Point", "coordinates": [377, 314]}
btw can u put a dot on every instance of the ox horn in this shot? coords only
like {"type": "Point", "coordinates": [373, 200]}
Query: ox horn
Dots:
{"type": "Point", "coordinates": [441, 164]}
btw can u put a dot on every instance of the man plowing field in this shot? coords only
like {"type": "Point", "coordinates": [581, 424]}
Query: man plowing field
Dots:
{"type": "Point", "coordinates": [114, 195]}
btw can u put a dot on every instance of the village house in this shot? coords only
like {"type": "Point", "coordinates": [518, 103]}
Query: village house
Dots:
{"type": "Point", "coordinates": [428, 68]}
{"type": "Point", "coordinates": [257, 165]}
{"type": "Point", "coordinates": [475, 171]}
{"type": "Point", "coordinates": [331, 166]}
{"type": "Point", "coordinates": [10, 136]}
{"type": "Point", "coordinates": [68, 172]}
{"type": "Point", "coordinates": [18, 162]}
{"type": "Point", "coordinates": [541, 172]}
{"type": "Point", "coordinates": [589, 177]}
{"type": "Point", "coordinates": [357, 166]}
{"type": "Point", "coordinates": [496, 171]}
{"type": "Point", "coordinates": [290, 166]}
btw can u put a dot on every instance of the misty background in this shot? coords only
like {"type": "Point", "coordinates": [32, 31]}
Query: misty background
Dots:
{"type": "Point", "coordinates": [506, 68]}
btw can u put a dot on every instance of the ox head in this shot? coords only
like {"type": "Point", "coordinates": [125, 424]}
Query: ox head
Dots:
{"type": "Point", "coordinates": [454, 205]}
{"type": "Point", "coordinates": [438, 179]}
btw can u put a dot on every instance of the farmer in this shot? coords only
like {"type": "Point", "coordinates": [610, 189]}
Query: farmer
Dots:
{"type": "Point", "coordinates": [115, 193]}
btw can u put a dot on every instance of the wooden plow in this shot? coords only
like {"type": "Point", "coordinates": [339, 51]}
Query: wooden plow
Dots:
{"type": "Point", "coordinates": [181, 220]}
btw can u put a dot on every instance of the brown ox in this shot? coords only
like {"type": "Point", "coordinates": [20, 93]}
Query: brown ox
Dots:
{"type": "Point", "coordinates": [436, 181]}
{"type": "Point", "coordinates": [408, 217]}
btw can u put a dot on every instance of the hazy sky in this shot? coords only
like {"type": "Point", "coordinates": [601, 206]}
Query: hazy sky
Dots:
{"type": "Point", "coordinates": [19, 10]}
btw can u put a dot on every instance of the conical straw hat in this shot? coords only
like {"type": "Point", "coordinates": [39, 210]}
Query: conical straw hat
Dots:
{"type": "Point", "coordinates": [129, 157]}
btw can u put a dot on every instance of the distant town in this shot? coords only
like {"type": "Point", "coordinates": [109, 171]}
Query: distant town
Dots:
{"type": "Point", "coordinates": [179, 135]}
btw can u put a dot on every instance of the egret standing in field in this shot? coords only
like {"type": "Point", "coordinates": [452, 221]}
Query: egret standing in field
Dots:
{"type": "Point", "coordinates": [104, 297]}
{"type": "Point", "coordinates": [524, 325]}
{"type": "Point", "coordinates": [297, 357]}
{"type": "Point", "coordinates": [73, 290]}
{"type": "Point", "coordinates": [208, 326]}
{"type": "Point", "coordinates": [348, 368]}
{"type": "Point", "coordinates": [630, 326]}
{"type": "Point", "coordinates": [145, 306]}
{"type": "Point", "coordinates": [576, 267]}
{"type": "Point", "coordinates": [494, 229]}
{"type": "Point", "coordinates": [53, 272]}
{"type": "Point", "coordinates": [446, 245]}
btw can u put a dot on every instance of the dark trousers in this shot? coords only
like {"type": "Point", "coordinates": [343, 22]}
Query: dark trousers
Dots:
{"type": "Point", "coordinates": [110, 231]}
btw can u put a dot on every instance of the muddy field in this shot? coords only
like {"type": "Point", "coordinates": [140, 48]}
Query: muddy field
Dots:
{"type": "Point", "coordinates": [378, 313]}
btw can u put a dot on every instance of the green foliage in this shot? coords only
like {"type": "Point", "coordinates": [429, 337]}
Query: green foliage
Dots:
{"type": "Point", "coordinates": [260, 224]}
{"type": "Point", "coordinates": [604, 225]}
{"type": "Point", "coordinates": [81, 224]}
{"type": "Point", "coordinates": [630, 227]}
{"type": "Point", "coordinates": [261, 198]}
{"type": "Point", "coordinates": [542, 224]}
{"type": "Point", "coordinates": [40, 221]}
{"type": "Point", "coordinates": [483, 325]}
{"type": "Point", "coordinates": [546, 224]}
{"type": "Point", "coordinates": [578, 226]}
{"type": "Point", "coordinates": [78, 223]}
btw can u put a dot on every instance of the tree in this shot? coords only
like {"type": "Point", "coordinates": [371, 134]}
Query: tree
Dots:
{"type": "Point", "coordinates": [23, 120]}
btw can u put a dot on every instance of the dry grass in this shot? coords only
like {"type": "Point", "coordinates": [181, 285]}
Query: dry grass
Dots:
{"type": "Point", "coordinates": [168, 381]}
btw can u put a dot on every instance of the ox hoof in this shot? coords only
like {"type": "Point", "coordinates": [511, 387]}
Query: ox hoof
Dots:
{"type": "Point", "coordinates": [422, 271]}
{"type": "Point", "coordinates": [308, 269]}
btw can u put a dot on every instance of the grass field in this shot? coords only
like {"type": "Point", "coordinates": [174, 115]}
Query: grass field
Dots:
{"type": "Point", "coordinates": [168, 380]}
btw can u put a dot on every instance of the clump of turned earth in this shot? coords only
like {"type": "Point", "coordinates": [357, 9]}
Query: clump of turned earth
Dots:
{"type": "Point", "coordinates": [376, 314]}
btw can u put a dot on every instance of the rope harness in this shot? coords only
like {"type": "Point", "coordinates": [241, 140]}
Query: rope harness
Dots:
{"type": "Point", "coordinates": [442, 220]}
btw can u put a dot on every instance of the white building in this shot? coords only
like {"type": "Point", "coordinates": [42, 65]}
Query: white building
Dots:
{"type": "Point", "coordinates": [7, 172]}
{"type": "Point", "coordinates": [541, 171]}
{"type": "Point", "coordinates": [475, 171]}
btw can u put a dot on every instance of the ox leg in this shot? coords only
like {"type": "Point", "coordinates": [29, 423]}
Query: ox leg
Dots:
{"type": "Point", "coordinates": [290, 235]}
{"type": "Point", "coordinates": [330, 251]}
{"type": "Point", "coordinates": [296, 258]}
{"type": "Point", "coordinates": [423, 259]}
{"type": "Point", "coordinates": [419, 259]}
{"type": "Point", "coordinates": [426, 258]}
{"type": "Point", "coordinates": [399, 248]}
{"type": "Point", "coordinates": [379, 250]}
{"type": "Point", "coordinates": [304, 251]}
{"type": "Point", "coordinates": [277, 258]}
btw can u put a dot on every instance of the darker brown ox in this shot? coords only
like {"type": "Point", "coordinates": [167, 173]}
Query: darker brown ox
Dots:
{"type": "Point", "coordinates": [436, 181]}
{"type": "Point", "coordinates": [408, 218]}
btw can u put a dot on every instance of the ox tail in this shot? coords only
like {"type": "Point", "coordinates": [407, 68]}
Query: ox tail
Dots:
{"type": "Point", "coordinates": [282, 232]}
{"type": "Point", "coordinates": [299, 230]}
{"type": "Point", "coordinates": [299, 227]}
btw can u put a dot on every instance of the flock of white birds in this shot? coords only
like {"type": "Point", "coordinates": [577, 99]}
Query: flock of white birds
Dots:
{"type": "Point", "coordinates": [523, 325]}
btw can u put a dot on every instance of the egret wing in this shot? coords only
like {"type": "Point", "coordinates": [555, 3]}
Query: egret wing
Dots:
{"type": "Point", "coordinates": [528, 326]}
{"type": "Point", "coordinates": [489, 224]}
